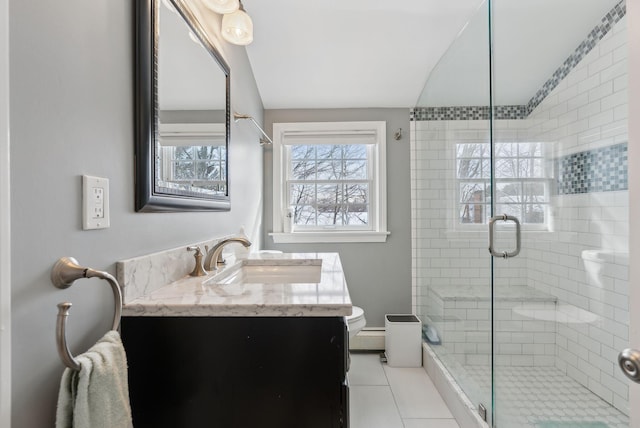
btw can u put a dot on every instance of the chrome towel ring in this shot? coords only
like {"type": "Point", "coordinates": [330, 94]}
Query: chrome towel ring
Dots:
{"type": "Point", "coordinates": [64, 273]}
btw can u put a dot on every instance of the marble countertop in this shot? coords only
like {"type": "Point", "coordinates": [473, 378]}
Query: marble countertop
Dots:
{"type": "Point", "coordinates": [204, 296]}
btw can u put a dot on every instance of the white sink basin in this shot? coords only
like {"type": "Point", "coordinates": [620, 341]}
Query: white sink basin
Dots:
{"type": "Point", "coordinates": [302, 272]}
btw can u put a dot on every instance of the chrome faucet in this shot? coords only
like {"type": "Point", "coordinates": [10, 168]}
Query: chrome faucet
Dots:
{"type": "Point", "coordinates": [214, 258]}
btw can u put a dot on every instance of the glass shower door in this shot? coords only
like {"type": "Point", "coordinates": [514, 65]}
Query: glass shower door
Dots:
{"type": "Point", "coordinates": [559, 168]}
{"type": "Point", "coordinates": [451, 172]}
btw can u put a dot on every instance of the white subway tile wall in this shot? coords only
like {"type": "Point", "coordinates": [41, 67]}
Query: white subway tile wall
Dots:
{"type": "Point", "coordinates": [580, 263]}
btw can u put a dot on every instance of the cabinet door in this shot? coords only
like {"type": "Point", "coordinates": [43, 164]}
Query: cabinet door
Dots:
{"type": "Point", "coordinates": [236, 372]}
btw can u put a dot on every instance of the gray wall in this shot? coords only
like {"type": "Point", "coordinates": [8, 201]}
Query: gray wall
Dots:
{"type": "Point", "coordinates": [72, 113]}
{"type": "Point", "coordinates": [378, 274]}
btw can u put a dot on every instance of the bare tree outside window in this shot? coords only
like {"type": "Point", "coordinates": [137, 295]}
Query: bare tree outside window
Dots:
{"type": "Point", "coordinates": [521, 182]}
{"type": "Point", "coordinates": [201, 166]}
{"type": "Point", "coordinates": [329, 185]}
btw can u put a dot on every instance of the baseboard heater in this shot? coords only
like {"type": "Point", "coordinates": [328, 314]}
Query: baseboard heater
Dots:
{"type": "Point", "coordinates": [368, 339]}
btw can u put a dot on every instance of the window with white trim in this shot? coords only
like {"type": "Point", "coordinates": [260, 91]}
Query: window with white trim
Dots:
{"type": "Point", "coordinates": [193, 157]}
{"type": "Point", "coordinates": [521, 179]}
{"type": "Point", "coordinates": [329, 182]}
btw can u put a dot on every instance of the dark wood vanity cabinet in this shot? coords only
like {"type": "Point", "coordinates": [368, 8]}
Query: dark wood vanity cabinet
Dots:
{"type": "Point", "coordinates": [237, 372]}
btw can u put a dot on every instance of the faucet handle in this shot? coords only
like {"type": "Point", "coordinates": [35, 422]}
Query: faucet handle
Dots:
{"type": "Point", "coordinates": [198, 269]}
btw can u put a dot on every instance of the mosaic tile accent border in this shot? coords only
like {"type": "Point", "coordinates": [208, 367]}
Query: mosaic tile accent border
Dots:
{"type": "Point", "coordinates": [510, 112]}
{"type": "Point", "coordinates": [450, 113]}
{"type": "Point", "coordinates": [522, 111]}
{"type": "Point", "coordinates": [599, 170]}
{"type": "Point", "coordinates": [467, 113]}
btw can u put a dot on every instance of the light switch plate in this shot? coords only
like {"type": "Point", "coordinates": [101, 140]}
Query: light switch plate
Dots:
{"type": "Point", "coordinates": [95, 202]}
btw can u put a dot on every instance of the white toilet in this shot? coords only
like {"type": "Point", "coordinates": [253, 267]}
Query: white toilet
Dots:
{"type": "Point", "coordinates": [356, 321]}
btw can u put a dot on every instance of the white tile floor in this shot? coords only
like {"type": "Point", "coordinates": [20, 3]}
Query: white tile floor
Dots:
{"type": "Point", "coordinates": [532, 397]}
{"type": "Point", "coordinates": [392, 397]}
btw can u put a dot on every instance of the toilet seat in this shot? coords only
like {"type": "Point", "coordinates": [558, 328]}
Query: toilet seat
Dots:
{"type": "Point", "coordinates": [356, 320]}
{"type": "Point", "coordinates": [356, 314]}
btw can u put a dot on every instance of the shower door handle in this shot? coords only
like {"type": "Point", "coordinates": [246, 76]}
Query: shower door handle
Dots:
{"type": "Point", "coordinates": [629, 361]}
{"type": "Point", "coordinates": [504, 254]}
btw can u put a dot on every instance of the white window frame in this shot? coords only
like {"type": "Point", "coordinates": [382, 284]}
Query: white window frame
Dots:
{"type": "Point", "coordinates": [174, 135]}
{"type": "Point", "coordinates": [313, 133]}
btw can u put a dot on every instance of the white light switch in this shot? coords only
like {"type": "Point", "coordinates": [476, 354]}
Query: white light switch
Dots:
{"type": "Point", "coordinates": [95, 202]}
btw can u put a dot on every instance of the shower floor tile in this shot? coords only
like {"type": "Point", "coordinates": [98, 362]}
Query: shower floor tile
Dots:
{"type": "Point", "coordinates": [544, 397]}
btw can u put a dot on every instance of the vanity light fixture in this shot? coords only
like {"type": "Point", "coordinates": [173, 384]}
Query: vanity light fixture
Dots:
{"type": "Point", "coordinates": [222, 6]}
{"type": "Point", "coordinates": [237, 27]}
{"type": "Point", "coordinates": [265, 138]}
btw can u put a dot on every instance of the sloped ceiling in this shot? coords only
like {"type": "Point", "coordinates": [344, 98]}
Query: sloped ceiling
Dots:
{"type": "Point", "coordinates": [349, 53]}
{"type": "Point", "coordinates": [373, 53]}
{"type": "Point", "coordinates": [532, 38]}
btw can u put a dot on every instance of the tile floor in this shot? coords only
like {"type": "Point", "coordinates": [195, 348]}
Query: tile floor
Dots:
{"type": "Point", "coordinates": [392, 397]}
{"type": "Point", "coordinates": [533, 397]}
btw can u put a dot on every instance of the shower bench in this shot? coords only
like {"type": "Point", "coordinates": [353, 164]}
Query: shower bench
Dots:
{"type": "Point", "coordinates": [524, 334]}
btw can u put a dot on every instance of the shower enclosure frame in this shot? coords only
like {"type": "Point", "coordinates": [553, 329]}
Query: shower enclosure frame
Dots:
{"type": "Point", "coordinates": [633, 131]}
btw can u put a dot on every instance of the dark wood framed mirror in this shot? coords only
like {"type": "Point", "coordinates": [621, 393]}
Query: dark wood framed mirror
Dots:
{"type": "Point", "coordinates": [182, 105]}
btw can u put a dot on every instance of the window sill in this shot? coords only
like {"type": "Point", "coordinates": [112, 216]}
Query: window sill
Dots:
{"type": "Point", "coordinates": [328, 237]}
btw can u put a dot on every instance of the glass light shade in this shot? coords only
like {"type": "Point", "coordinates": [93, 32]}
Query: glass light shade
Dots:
{"type": "Point", "coordinates": [222, 6]}
{"type": "Point", "coordinates": [237, 28]}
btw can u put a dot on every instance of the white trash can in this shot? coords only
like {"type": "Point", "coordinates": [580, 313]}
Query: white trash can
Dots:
{"type": "Point", "coordinates": [403, 340]}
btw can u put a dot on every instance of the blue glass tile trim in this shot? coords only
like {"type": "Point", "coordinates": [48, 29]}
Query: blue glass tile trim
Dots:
{"type": "Point", "coordinates": [509, 112]}
{"type": "Point", "coordinates": [522, 111]}
{"type": "Point", "coordinates": [467, 113]}
{"type": "Point", "coordinates": [599, 170]}
{"type": "Point", "coordinates": [450, 113]}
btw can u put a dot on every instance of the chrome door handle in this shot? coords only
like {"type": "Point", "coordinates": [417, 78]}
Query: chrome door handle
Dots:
{"type": "Point", "coordinates": [629, 361]}
{"type": "Point", "coordinates": [504, 254]}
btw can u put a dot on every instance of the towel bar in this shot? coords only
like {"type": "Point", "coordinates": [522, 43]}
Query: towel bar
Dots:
{"type": "Point", "coordinates": [64, 273]}
{"type": "Point", "coordinates": [265, 138]}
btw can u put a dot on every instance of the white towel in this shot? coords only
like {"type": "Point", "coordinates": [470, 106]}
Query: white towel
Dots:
{"type": "Point", "coordinates": [96, 396]}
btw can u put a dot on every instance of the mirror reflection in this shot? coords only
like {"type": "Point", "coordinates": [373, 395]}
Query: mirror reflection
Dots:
{"type": "Point", "coordinates": [182, 111]}
{"type": "Point", "coordinates": [191, 150]}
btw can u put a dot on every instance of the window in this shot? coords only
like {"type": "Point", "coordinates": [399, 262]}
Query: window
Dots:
{"type": "Point", "coordinates": [329, 182]}
{"type": "Point", "coordinates": [202, 167]}
{"type": "Point", "coordinates": [193, 157]}
{"type": "Point", "coordinates": [521, 180]}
